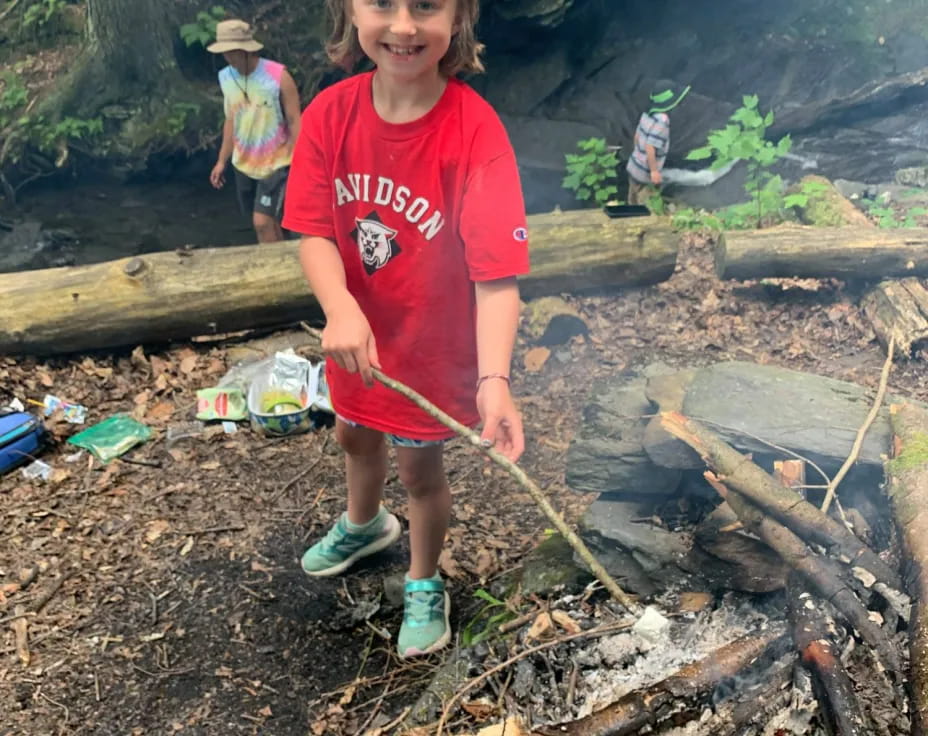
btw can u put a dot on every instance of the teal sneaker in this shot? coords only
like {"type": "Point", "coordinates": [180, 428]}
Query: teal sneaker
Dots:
{"type": "Point", "coordinates": [341, 548]}
{"type": "Point", "coordinates": [426, 607]}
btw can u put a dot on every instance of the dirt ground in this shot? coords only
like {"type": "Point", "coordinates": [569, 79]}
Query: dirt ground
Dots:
{"type": "Point", "coordinates": [162, 594]}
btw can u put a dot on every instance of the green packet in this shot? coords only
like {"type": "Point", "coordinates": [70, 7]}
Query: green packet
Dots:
{"type": "Point", "coordinates": [112, 437]}
{"type": "Point", "coordinates": [221, 403]}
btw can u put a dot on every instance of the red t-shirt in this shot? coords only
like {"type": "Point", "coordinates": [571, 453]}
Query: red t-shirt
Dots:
{"type": "Point", "coordinates": [419, 211]}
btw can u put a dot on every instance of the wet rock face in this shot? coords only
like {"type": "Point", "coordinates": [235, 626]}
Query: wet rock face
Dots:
{"type": "Point", "coordinates": [25, 245]}
{"type": "Point", "coordinates": [543, 12]}
{"type": "Point", "coordinates": [854, 107]}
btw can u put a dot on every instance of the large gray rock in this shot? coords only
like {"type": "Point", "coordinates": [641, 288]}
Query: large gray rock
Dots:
{"type": "Point", "coordinates": [540, 146]}
{"type": "Point", "coordinates": [756, 409]}
{"type": "Point", "coordinates": [543, 12]}
{"type": "Point", "coordinates": [25, 245]}
{"type": "Point", "coordinates": [755, 406]}
{"type": "Point", "coordinates": [608, 455]}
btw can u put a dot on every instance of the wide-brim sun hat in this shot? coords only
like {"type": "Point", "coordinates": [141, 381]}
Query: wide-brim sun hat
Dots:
{"type": "Point", "coordinates": [666, 96]}
{"type": "Point", "coordinates": [234, 35]}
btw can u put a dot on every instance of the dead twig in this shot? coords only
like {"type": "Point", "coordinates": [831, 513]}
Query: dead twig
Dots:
{"type": "Point", "coordinates": [21, 631]}
{"type": "Point", "coordinates": [862, 432]}
{"type": "Point", "coordinates": [520, 621]}
{"type": "Point", "coordinates": [43, 600]}
{"type": "Point", "coordinates": [516, 472]}
{"type": "Point", "coordinates": [302, 474]}
{"type": "Point", "coordinates": [10, 8]}
{"type": "Point", "coordinates": [211, 530]}
{"type": "Point", "coordinates": [470, 685]}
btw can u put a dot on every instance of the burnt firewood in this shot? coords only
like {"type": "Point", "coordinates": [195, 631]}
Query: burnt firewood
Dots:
{"type": "Point", "coordinates": [908, 488]}
{"type": "Point", "coordinates": [787, 506]}
{"type": "Point", "coordinates": [814, 632]}
{"type": "Point", "coordinates": [822, 574]}
{"type": "Point", "coordinates": [688, 688]}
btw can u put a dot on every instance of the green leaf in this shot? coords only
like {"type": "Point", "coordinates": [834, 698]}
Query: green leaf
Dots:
{"type": "Point", "coordinates": [749, 101]}
{"type": "Point", "coordinates": [484, 596]}
{"type": "Point", "coordinates": [699, 154]}
{"type": "Point", "coordinates": [572, 181]}
{"type": "Point", "coordinates": [583, 193]}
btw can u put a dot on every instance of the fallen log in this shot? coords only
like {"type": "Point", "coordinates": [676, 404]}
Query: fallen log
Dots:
{"type": "Point", "coordinates": [851, 253]}
{"type": "Point", "coordinates": [750, 480]}
{"type": "Point", "coordinates": [812, 627]}
{"type": "Point", "coordinates": [898, 309]}
{"type": "Point", "coordinates": [821, 573]}
{"type": "Point", "coordinates": [176, 295]}
{"type": "Point", "coordinates": [685, 688]}
{"type": "Point", "coordinates": [908, 488]}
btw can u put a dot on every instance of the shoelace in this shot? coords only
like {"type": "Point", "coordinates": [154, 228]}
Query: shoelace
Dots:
{"type": "Point", "coordinates": [422, 607]}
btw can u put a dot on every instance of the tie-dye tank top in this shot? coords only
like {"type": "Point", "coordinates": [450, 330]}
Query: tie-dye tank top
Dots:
{"type": "Point", "coordinates": [260, 132]}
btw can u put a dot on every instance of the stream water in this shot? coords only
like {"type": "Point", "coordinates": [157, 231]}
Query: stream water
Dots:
{"type": "Point", "coordinates": [112, 220]}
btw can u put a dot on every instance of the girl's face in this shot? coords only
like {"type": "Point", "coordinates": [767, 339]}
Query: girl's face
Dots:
{"type": "Point", "coordinates": [405, 38]}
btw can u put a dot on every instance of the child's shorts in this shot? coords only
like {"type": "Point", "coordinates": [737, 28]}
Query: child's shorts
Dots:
{"type": "Point", "coordinates": [395, 440]}
{"type": "Point", "coordinates": [265, 196]}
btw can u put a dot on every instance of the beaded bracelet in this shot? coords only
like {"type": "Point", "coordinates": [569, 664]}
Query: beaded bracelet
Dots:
{"type": "Point", "coordinates": [487, 377]}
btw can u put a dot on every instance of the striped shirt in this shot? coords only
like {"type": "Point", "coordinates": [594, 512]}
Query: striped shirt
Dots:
{"type": "Point", "coordinates": [653, 130]}
{"type": "Point", "coordinates": [261, 136]}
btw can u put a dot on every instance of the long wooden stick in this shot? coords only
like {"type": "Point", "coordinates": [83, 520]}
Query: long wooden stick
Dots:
{"type": "Point", "coordinates": [516, 472]}
{"type": "Point", "coordinates": [862, 432]}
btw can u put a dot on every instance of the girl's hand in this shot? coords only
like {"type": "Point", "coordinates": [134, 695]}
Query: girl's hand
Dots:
{"type": "Point", "coordinates": [502, 423]}
{"type": "Point", "coordinates": [348, 340]}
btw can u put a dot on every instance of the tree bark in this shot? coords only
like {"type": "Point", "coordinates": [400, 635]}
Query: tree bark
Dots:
{"type": "Point", "coordinates": [128, 55]}
{"type": "Point", "coordinates": [908, 489]}
{"type": "Point", "coordinates": [167, 296]}
{"type": "Point", "coordinates": [898, 308]}
{"type": "Point", "coordinates": [859, 253]}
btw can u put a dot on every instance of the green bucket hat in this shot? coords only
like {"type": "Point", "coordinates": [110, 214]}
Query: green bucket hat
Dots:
{"type": "Point", "coordinates": [665, 97]}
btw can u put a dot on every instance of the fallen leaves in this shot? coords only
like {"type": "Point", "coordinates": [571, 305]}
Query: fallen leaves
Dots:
{"type": "Point", "coordinates": [155, 529]}
{"type": "Point", "coordinates": [535, 359]}
{"type": "Point", "coordinates": [448, 565]}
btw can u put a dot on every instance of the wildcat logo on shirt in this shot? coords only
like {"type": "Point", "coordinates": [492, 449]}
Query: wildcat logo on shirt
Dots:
{"type": "Point", "coordinates": [376, 243]}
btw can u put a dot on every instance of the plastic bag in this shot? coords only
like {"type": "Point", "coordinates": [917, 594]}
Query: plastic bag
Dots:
{"type": "Point", "coordinates": [221, 403]}
{"type": "Point", "coordinates": [112, 437]}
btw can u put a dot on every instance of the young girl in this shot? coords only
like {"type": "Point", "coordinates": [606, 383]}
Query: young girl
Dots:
{"type": "Point", "coordinates": [405, 188]}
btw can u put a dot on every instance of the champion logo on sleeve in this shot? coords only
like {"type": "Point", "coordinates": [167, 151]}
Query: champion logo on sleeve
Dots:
{"type": "Point", "coordinates": [520, 234]}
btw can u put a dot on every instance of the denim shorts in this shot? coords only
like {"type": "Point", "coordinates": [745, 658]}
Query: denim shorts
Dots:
{"type": "Point", "coordinates": [396, 440]}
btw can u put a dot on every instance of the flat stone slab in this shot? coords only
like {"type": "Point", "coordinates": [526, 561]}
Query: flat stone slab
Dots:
{"type": "Point", "coordinates": [811, 415]}
{"type": "Point", "coordinates": [608, 453]}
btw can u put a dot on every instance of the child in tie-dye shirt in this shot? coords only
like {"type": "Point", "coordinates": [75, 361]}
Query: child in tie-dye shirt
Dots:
{"type": "Point", "coordinates": [262, 109]}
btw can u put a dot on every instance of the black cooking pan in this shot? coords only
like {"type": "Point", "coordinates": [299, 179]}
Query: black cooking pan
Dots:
{"type": "Point", "coordinates": [626, 210]}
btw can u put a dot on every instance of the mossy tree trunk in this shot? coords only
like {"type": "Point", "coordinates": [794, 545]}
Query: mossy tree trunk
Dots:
{"type": "Point", "coordinates": [128, 75]}
{"type": "Point", "coordinates": [130, 50]}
